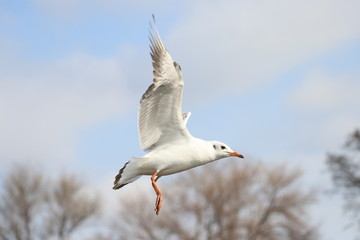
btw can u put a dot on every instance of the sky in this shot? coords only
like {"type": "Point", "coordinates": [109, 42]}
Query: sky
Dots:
{"type": "Point", "coordinates": [278, 81]}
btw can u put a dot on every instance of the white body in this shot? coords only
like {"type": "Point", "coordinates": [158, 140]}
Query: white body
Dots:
{"type": "Point", "coordinates": [172, 158]}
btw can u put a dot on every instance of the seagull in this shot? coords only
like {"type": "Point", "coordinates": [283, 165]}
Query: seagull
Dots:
{"type": "Point", "coordinates": [169, 146]}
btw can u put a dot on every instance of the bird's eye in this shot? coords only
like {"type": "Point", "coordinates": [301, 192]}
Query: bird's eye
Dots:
{"type": "Point", "coordinates": [214, 146]}
{"type": "Point", "coordinates": [223, 147]}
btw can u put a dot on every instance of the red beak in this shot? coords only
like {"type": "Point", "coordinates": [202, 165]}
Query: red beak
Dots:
{"type": "Point", "coordinates": [235, 154]}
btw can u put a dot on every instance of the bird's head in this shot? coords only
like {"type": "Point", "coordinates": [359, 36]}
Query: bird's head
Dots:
{"type": "Point", "coordinates": [222, 150]}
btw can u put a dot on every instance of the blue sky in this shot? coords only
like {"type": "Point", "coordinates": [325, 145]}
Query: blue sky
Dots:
{"type": "Point", "coordinates": [275, 80]}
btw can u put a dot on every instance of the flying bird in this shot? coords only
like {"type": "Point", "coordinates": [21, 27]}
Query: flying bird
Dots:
{"type": "Point", "coordinates": [170, 148]}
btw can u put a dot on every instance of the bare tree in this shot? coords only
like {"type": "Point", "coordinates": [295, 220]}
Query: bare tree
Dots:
{"type": "Point", "coordinates": [32, 207]}
{"type": "Point", "coordinates": [345, 170]}
{"type": "Point", "coordinates": [22, 196]}
{"type": "Point", "coordinates": [69, 207]}
{"type": "Point", "coordinates": [225, 201]}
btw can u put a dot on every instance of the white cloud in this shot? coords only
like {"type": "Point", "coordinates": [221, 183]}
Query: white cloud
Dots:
{"type": "Point", "coordinates": [46, 105]}
{"type": "Point", "coordinates": [324, 91]}
{"type": "Point", "coordinates": [237, 45]}
{"type": "Point", "coordinates": [233, 46]}
{"type": "Point", "coordinates": [327, 108]}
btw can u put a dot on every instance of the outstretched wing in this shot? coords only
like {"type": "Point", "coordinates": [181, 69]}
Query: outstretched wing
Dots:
{"type": "Point", "coordinates": [159, 118]}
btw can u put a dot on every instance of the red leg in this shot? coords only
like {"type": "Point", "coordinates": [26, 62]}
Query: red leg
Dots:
{"type": "Point", "coordinates": [158, 202]}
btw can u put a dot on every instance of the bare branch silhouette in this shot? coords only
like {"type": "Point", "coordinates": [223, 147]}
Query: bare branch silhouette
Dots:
{"type": "Point", "coordinates": [22, 196]}
{"type": "Point", "coordinates": [69, 207]}
{"type": "Point", "coordinates": [32, 207]}
{"type": "Point", "coordinates": [234, 201]}
{"type": "Point", "coordinates": [345, 172]}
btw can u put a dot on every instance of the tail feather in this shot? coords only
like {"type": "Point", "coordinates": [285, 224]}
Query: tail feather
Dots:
{"type": "Point", "coordinates": [117, 184]}
{"type": "Point", "coordinates": [124, 178]}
